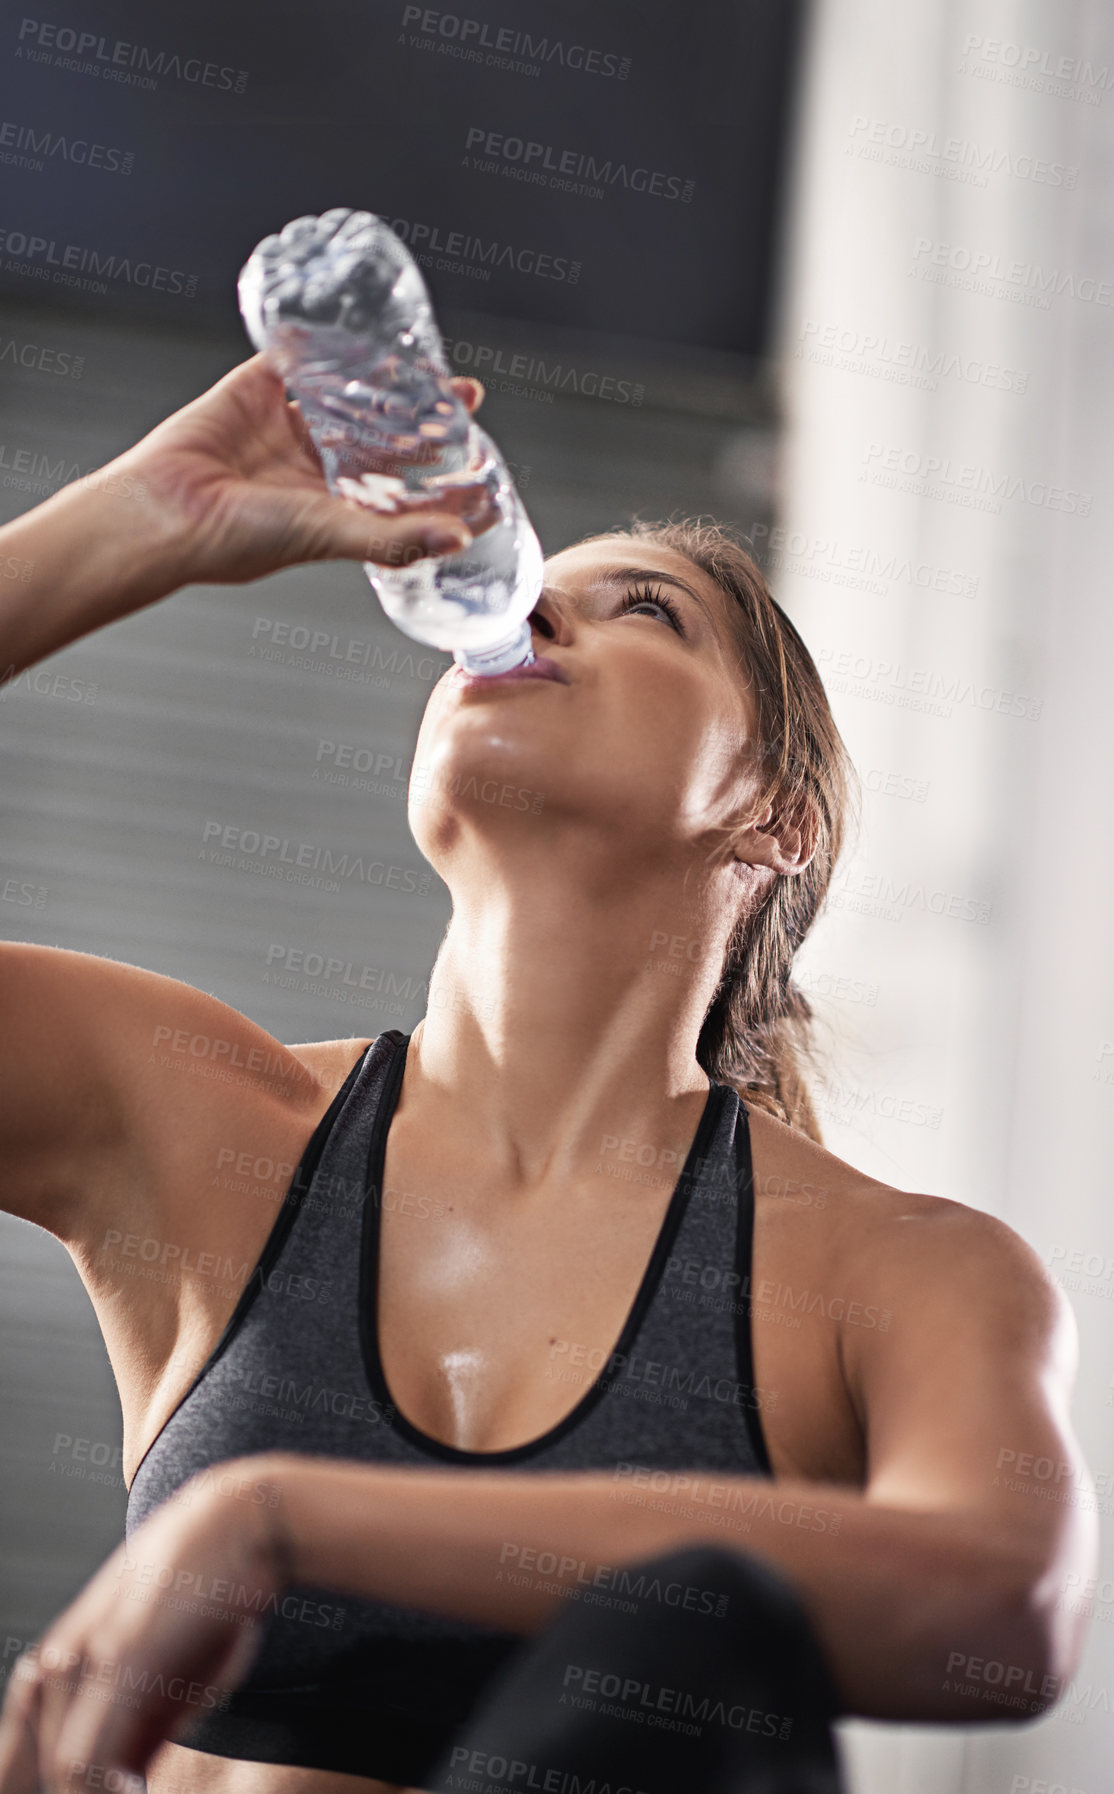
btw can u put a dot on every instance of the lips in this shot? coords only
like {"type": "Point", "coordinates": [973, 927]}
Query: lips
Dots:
{"type": "Point", "coordinates": [541, 667]}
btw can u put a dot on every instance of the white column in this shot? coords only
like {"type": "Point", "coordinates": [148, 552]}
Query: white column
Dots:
{"type": "Point", "coordinates": [945, 547]}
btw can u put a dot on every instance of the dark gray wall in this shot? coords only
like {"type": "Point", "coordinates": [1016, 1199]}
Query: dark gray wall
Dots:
{"type": "Point", "coordinates": [650, 197]}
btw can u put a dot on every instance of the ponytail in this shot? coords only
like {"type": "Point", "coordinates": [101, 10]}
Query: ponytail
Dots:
{"type": "Point", "coordinates": [757, 1035]}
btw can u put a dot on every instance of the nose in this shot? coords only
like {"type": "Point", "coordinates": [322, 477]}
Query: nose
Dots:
{"type": "Point", "coordinates": [549, 616]}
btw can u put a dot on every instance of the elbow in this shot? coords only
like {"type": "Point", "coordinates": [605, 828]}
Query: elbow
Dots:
{"type": "Point", "coordinates": [1041, 1632]}
{"type": "Point", "coordinates": [1013, 1642]}
{"type": "Point", "coordinates": [1058, 1592]}
{"type": "Point", "coordinates": [1004, 1673]}
{"type": "Point", "coordinates": [1057, 1615]}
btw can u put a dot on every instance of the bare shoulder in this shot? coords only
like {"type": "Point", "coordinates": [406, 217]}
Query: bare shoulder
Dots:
{"type": "Point", "coordinates": [119, 1085]}
{"type": "Point", "coordinates": [917, 1250]}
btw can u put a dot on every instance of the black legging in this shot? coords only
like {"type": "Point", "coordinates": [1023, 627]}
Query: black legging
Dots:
{"type": "Point", "coordinates": [703, 1677]}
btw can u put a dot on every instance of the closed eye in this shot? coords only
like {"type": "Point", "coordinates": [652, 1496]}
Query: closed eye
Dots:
{"type": "Point", "coordinates": [637, 596]}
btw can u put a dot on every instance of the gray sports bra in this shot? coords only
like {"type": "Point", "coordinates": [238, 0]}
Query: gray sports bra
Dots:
{"type": "Point", "coordinates": [369, 1689]}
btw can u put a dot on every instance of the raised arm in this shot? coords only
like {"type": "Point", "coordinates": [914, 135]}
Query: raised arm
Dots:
{"type": "Point", "coordinates": [226, 490]}
{"type": "Point", "coordinates": [103, 1065]}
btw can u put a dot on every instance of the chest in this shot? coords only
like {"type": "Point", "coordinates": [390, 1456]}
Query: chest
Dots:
{"type": "Point", "coordinates": [493, 1318]}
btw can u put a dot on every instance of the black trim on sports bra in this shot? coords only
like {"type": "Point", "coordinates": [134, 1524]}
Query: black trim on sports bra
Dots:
{"type": "Point", "coordinates": [284, 1221]}
{"type": "Point", "coordinates": [369, 1280]}
{"type": "Point", "coordinates": [744, 1302]}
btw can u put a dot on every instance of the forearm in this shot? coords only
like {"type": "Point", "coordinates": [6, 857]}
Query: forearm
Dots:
{"type": "Point", "coordinates": [94, 552]}
{"type": "Point", "coordinates": [900, 1600]}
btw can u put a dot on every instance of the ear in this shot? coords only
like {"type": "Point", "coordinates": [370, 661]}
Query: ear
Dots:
{"type": "Point", "coordinates": [776, 842]}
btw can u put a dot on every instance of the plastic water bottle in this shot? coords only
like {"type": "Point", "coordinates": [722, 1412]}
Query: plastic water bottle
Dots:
{"type": "Point", "coordinates": [339, 306]}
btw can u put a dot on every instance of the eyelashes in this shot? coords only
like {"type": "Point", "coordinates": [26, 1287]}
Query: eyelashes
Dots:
{"type": "Point", "coordinates": [646, 594]}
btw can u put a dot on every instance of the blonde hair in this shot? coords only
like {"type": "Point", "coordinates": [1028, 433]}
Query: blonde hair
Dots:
{"type": "Point", "coordinates": [758, 1033]}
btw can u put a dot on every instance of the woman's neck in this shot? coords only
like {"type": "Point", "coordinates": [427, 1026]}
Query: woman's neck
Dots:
{"type": "Point", "coordinates": [559, 1018]}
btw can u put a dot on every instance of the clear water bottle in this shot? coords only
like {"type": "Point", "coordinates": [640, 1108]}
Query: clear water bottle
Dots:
{"type": "Point", "coordinates": [339, 306]}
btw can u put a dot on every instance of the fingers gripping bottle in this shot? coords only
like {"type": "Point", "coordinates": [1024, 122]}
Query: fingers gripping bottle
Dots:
{"type": "Point", "coordinates": [339, 306]}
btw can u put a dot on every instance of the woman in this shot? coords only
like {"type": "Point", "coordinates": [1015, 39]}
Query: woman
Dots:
{"type": "Point", "coordinates": [600, 1238]}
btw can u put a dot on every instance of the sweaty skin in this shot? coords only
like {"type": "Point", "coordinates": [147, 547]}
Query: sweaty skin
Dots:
{"type": "Point", "coordinates": [545, 1031]}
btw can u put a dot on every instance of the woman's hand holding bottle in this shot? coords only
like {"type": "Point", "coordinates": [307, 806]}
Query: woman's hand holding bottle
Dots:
{"type": "Point", "coordinates": [237, 473]}
{"type": "Point", "coordinates": [225, 490]}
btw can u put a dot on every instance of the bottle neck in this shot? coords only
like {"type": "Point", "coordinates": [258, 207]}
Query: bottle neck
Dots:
{"type": "Point", "coordinates": [516, 651]}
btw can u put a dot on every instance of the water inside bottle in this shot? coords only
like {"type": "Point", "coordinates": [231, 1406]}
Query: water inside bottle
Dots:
{"type": "Point", "coordinates": [341, 309]}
